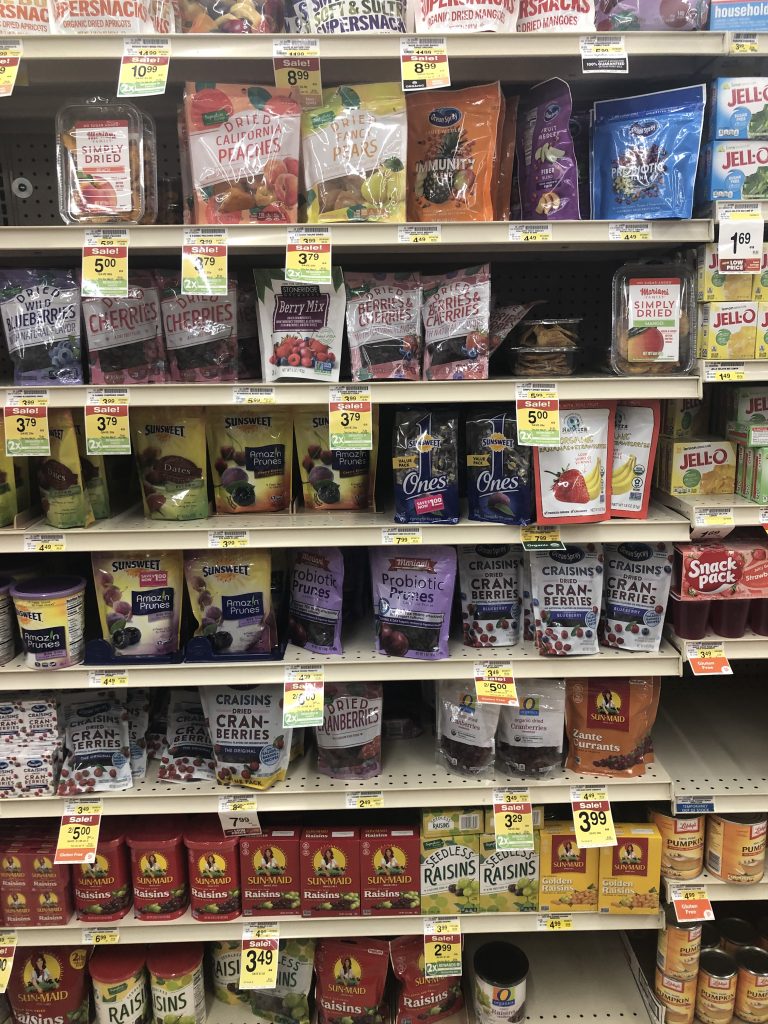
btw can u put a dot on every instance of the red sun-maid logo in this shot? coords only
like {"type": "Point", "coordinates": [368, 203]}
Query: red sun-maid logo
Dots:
{"type": "Point", "coordinates": [630, 857]}
{"type": "Point", "coordinates": [608, 704]}
{"type": "Point", "coordinates": [713, 571]}
{"type": "Point", "coordinates": [414, 564]}
{"type": "Point", "coordinates": [566, 856]}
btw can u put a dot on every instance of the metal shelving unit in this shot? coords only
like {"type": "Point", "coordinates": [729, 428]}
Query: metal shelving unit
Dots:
{"type": "Point", "coordinates": [745, 512]}
{"type": "Point", "coordinates": [751, 645]}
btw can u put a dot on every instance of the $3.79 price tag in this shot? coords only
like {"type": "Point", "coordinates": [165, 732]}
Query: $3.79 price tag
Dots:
{"type": "Point", "coordinates": [25, 416]}
{"type": "Point", "coordinates": [7, 952]}
{"type": "Point", "coordinates": [106, 422]}
{"type": "Point", "coordinates": [495, 683]}
{"type": "Point", "coordinates": [592, 817]}
{"type": "Point", "coordinates": [513, 819]}
{"type": "Point", "coordinates": [10, 58]}
{"type": "Point", "coordinates": [78, 832]}
{"type": "Point", "coordinates": [442, 947]}
{"type": "Point", "coordinates": [258, 956]}
{"type": "Point", "coordinates": [308, 255]}
{"type": "Point", "coordinates": [204, 261]}
{"type": "Point", "coordinates": [350, 418]}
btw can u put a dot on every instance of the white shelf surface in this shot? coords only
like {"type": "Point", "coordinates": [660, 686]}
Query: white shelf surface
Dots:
{"type": "Point", "coordinates": [745, 512]}
{"type": "Point", "coordinates": [717, 891]}
{"type": "Point", "coordinates": [751, 645]}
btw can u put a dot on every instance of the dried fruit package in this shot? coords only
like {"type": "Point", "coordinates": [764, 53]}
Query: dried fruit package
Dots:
{"type": "Point", "coordinates": [242, 144]}
{"type": "Point", "coordinates": [101, 17]}
{"type": "Point", "coordinates": [351, 978]}
{"type": "Point", "coordinates": [241, 18]}
{"type": "Point", "coordinates": [466, 729]}
{"type": "Point", "coordinates": [200, 332]}
{"type": "Point", "coordinates": [137, 704]}
{"type": "Point", "coordinates": [456, 311]}
{"type": "Point", "coordinates": [547, 171]}
{"type": "Point", "coordinates": [349, 740]}
{"type": "Point", "coordinates": [125, 336]}
{"type": "Point", "coordinates": [257, 752]}
{"type": "Point", "coordinates": [654, 319]}
{"type": "Point", "coordinates": [301, 327]}
{"type": "Point", "coordinates": [335, 17]}
{"type": "Point", "coordinates": [566, 592]}
{"type": "Point", "coordinates": [251, 455]}
{"type": "Point", "coordinates": [425, 461]}
{"type": "Point", "coordinates": [635, 437]}
{"type": "Point", "coordinates": [172, 460]}
{"type": "Point", "coordinates": [314, 617]}
{"type": "Point", "coordinates": [466, 16]}
{"type": "Point", "coordinates": [12, 498]}
{"type": "Point", "coordinates": [384, 325]}
{"type": "Point", "coordinates": [27, 19]}
{"type": "Point", "coordinates": [651, 15]}
{"type": "Point", "coordinates": [93, 469]}
{"type": "Point", "coordinates": [166, 16]}
{"type": "Point", "coordinates": [454, 140]}
{"type": "Point", "coordinates": [63, 495]}
{"type": "Point", "coordinates": [353, 150]}
{"type": "Point", "coordinates": [491, 594]}
{"type": "Point", "coordinates": [230, 594]}
{"type": "Point", "coordinates": [499, 474]}
{"type": "Point", "coordinates": [556, 16]}
{"type": "Point", "coordinates": [188, 753]}
{"type": "Point", "coordinates": [63, 977]}
{"type": "Point", "coordinates": [332, 480]}
{"type": "Point", "coordinates": [97, 744]}
{"type": "Point", "coordinates": [420, 997]}
{"type": "Point", "coordinates": [41, 322]}
{"type": "Point", "coordinates": [635, 594]}
{"type": "Point", "coordinates": [529, 740]}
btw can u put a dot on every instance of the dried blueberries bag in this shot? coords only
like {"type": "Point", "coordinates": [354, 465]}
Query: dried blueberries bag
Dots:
{"type": "Point", "coordinates": [530, 737]}
{"type": "Point", "coordinates": [499, 476]}
{"type": "Point", "coordinates": [257, 752]}
{"type": "Point", "coordinates": [491, 594]}
{"type": "Point", "coordinates": [349, 740]}
{"type": "Point", "coordinates": [412, 597]}
{"type": "Point", "coordinates": [425, 460]}
{"type": "Point", "coordinates": [466, 730]}
{"type": "Point", "coordinates": [189, 752]}
{"type": "Point", "coordinates": [97, 742]}
{"type": "Point", "coordinates": [314, 616]}
{"type": "Point", "coordinates": [456, 311]}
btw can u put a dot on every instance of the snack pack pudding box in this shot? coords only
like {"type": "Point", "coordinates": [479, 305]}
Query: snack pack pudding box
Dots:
{"type": "Point", "coordinates": [715, 571]}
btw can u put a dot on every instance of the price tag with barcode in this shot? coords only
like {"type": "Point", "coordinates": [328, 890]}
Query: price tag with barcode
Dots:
{"type": "Point", "coordinates": [442, 947]}
{"type": "Point", "coordinates": [724, 373]}
{"type": "Point", "coordinates": [691, 903]}
{"type": "Point", "coordinates": [101, 936]}
{"type": "Point", "coordinates": [424, 63]}
{"type": "Point", "coordinates": [495, 683]}
{"type": "Point", "coordinates": [629, 231]}
{"type": "Point", "coordinates": [554, 922]}
{"type": "Point", "coordinates": [707, 658]}
{"type": "Point", "coordinates": [107, 677]}
{"type": "Point", "coordinates": [226, 539]}
{"type": "Point", "coordinates": [296, 62]}
{"type": "Point", "coordinates": [303, 696]}
{"type": "Point", "coordinates": [592, 817]}
{"type": "Point", "coordinates": [254, 396]}
{"type": "Point", "coordinates": [369, 801]}
{"type": "Point", "coordinates": [259, 955]}
{"type": "Point", "coordinates": [740, 238]}
{"type": "Point", "coordinates": [44, 543]}
{"type": "Point", "coordinates": [204, 261]}
{"type": "Point", "coordinates": [10, 59]}
{"type": "Point", "coordinates": [238, 816]}
{"type": "Point", "coordinates": [401, 535]}
{"type": "Point", "coordinates": [25, 415]}
{"type": "Point", "coordinates": [79, 830]}
{"type": "Point", "coordinates": [8, 940]}
{"type": "Point", "coordinates": [603, 54]}
{"type": "Point", "coordinates": [144, 67]}
{"type": "Point", "coordinates": [530, 232]}
{"type": "Point", "coordinates": [419, 234]}
{"type": "Point", "coordinates": [513, 819]}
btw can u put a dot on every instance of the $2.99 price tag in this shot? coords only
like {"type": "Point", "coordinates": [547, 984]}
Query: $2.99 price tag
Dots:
{"type": "Point", "coordinates": [106, 422]}
{"type": "Point", "coordinates": [592, 817]}
{"type": "Point", "coordinates": [350, 418]}
{"type": "Point", "coordinates": [144, 67]}
{"type": "Point", "coordinates": [25, 416]}
{"type": "Point", "coordinates": [105, 264]}
{"type": "Point", "coordinates": [258, 956]}
{"type": "Point", "coordinates": [442, 947]}
{"type": "Point", "coordinates": [7, 952]}
{"type": "Point", "coordinates": [513, 819]}
{"type": "Point", "coordinates": [691, 903]}
{"type": "Point", "coordinates": [308, 255]}
{"type": "Point", "coordinates": [78, 832]}
{"type": "Point", "coordinates": [204, 261]}
{"type": "Point", "coordinates": [495, 683]}
{"type": "Point", "coordinates": [10, 58]}
{"type": "Point", "coordinates": [538, 414]}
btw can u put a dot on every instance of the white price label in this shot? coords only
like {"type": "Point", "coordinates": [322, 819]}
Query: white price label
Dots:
{"type": "Point", "coordinates": [44, 542]}
{"type": "Point", "coordinates": [254, 396]}
{"type": "Point", "coordinates": [629, 231]}
{"type": "Point", "coordinates": [226, 539]}
{"type": "Point", "coordinates": [419, 234]}
{"type": "Point", "coordinates": [238, 816]}
{"type": "Point", "coordinates": [101, 936]}
{"type": "Point", "coordinates": [603, 54]}
{"type": "Point", "coordinates": [740, 238]}
{"type": "Point", "coordinates": [401, 535]}
{"type": "Point", "coordinates": [530, 232]}
{"type": "Point", "coordinates": [105, 677]}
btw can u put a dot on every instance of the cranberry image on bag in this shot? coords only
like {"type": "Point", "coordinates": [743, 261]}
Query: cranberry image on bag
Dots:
{"type": "Point", "coordinates": [566, 589]}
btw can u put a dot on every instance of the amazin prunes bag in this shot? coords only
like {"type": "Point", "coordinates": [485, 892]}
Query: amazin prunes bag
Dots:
{"type": "Point", "coordinates": [498, 471]}
{"type": "Point", "coordinates": [425, 461]}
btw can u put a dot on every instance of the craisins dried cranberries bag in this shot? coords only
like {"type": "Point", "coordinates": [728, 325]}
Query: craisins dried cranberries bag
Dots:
{"type": "Point", "coordinates": [608, 723]}
{"type": "Point", "coordinates": [351, 978]}
{"type": "Point", "coordinates": [714, 570]}
{"type": "Point", "coordinates": [635, 594]}
{"type": "Point", "coordinates": [420, 998]}
{"type": "Point", "coordinates": [566, 591]}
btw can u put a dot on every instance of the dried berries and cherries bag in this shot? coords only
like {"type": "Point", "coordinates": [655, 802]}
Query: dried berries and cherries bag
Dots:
{"type": "Point", "coordinates": [420, 997]}
{"type": "Point", "coordinates": [351, 979]}
{"type": "Point", "coordinates": [425, 461]}
{"type": "Point", "coordinates": [466, 729]}
{"type": "Point", "coordinates": [491, 594]}
{"type": "Point", "coordinates": [412, 598]}
{"type": "Point", "coordinates": [566, 591]}
{"type": "Point", "coordinates": [384, 325]}
{"type": "Point", "coordinates": [546, 162]}
{"type": "Point", "coordinates": [499, 475]}
{"type": "Point", "coordinates": [125, 336]}
{"type": "Point", "coordinates": [530, 737]}
{"type": "Point", "coordinates": [258, 751]}
{"type": "Point", "coordinates": [97, 743]}
{"type": "Point", "coordinates": [188, 754]}
{"type": "Point", "coordinates": [337, 479]}
{"type": "Point", "coordinates": [456, 311]}
{"type": "Point", "coordinates": [317, 584]}
{"type": "Point", "coordinates": [200, 332]}
{"type": "Point", "coordinates": [608, 723]}
{"type": "Point", "coordinates": [349, 740]}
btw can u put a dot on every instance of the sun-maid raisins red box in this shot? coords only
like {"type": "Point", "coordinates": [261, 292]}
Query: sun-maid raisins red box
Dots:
{"type": "Point", "coordinates": [269, 872]}
{"type": "Point", "coordinates": [389, 865]}
{"type": "Point", "coordinates": [330, 872]}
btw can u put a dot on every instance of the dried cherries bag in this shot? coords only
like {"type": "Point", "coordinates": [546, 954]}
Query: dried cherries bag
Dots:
{"type": "Point", "coordinates": [608, 723]}
{"type": "Point", "coordinates": [529, 740]}
{"type": "Point", "coordinates": [200, 332]}
{"type": "Point", "coordinates": [125, 336]}
{"type": "Point", "coordinates": [384, 325]}
{"type": "Point", "coordinates": [317, 587]}
{"type": "Point", "coordinates": [351, 979]}
{"type": "Point", "coordinates": [466, 729]}
{"type": "Point", "coordinates": [97, 742]}
{"type": "Point", "coordinates": [418, 997]}
{"type": "Point", "coordinates": [491, 594]}
{"type": "Point", "coordinates": [349, 740]}
{"type": "Point", "coordinates": [499, 475]}
{"type": "Point", "coordinates": [425, 460]}
{"type": "Point", "coordinates": [188, 754]}
{"type": "Point", "coordinates": [456, 311]}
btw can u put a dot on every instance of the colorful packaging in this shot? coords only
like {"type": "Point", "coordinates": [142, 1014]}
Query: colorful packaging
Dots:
{"type": "Point", "coordinates": [561, 16]}
{"type": "Point", "coordinates": [40, 975]}
{"type": "Point", "coordinates": [412, 597]}
{"type": "Point", "coordinates": [733, 170]}
{"type": "Point", "coordinates": [639, 15]}
{"type": "Point", "coordinates": [442, 821]}
{"type": "Point", "coordinates": [684, 418]}
{"type": "Point", "coordinates": [242, 143]}
{"type": "Point", "coordinates": [635, 437]}
{"type": "Point", "coordinates": [635, 594]}
{"type": "Point", "coordinates": [569, 874]}
{"type": "Point", "coordinates": [498, 470]}
{"type": "Point", "coordinates": [654, 318]}
{"type": "Point", "coordinates": [125, 337]}
{"type": "Point", "coordinates": [581, 466]}
{"type": "Point", "coordinates": [509, 879]}
{"type": "Point", "coordinates": [188, 751]}
{"type": "Point", "coordinates": [170, 450]}
{"type": "Point", "coordinates": [317, 581]}
{"type": "Point", "coordinates": [714, 286]}
{"type": "Point", "coordinates": [761, 339]}
{"type": "Point", "coordinates": [330, 873]}
{"type": "Point", "coordinates": [160, 886]}
{"type": "Point", "coordinates": [63, 497]}
{"type": "Point", "coordinates": [529, 740]}
{"type": "Point", "coordinates": [139, 597]}
{"type": "Point", "coordinates": [735, 848]}
{"type": "Point", "coordinates": [28, 19]}
{"type": "Point", "coordinates": [351, 978]}
{"type": "Point", "coordinates": [101, 18]}
{"type": "Point", "coordinates": [255, 754]}
{"type": "Point", "coordinates": [491, 594]}
{"type": "Point", "coordinates": [630, 872]}
{"type": "Point", "coordinates": [729, 15]}
{"type": "Point", "coordinates": [547, 172]}
{"type": "Point", "coordinates": [453, 151]}
{"type": "Point", "coordinates": [682, 848]}
{"type": "Point", "coordinates": [287, 1002]}
{"type": "Point", "coordinates": [251, 458]}
{"type": "Point", "coordinates": [465, 729]}
{"type": "Point", "coordinates": [333, 480]}
{"type": "Point", "coordinates": [716, 570]}
{"type": "Point", "coordinates": [97, 743]}
{"type": "Point", "coordinates": [727, 330]}
{"type": "Point", "coordinates": [456, 314]}
{"type": "Point", "coordinates": [213, 866]}
{"type": "Point", "coordinates": [389, 864]}
{"type": "Point", "coordinates": [269, 869]}
{"type": "Point", "coordinates": [9, 498]}
{"type": "Point", "coordinates": [420, 997]}
{"type": "Point", "coordinates": [349, 740]}
{"type": "Point", "coordinates": [384, 325]}
{"type": "Point", "coordinates": [696, 467]}
{"type": "Point", "coordinates": [200, 332]}
{"type": "Point", "coordinates": [738, 108]}
{"type": "Point", "coordinates": [450, 874]}
{"type": "Point", "coordinates": [230, 595]}
{"type": "Point", "coordinates": [300, 327]}
{"type": "Point", "coordinates": [645, 154]}
{"type": "Point", "coordinates": [93, 469]}
{"type": "Point", "coordinates": [566, 588]}
{"type": "Point", "coordinates": [425, 462]}
{"type": "Point", "coordinates": [760, 281]}
{"type": "Point", "coordinates": [215, 16]}
{"type": "Point", "coordinates": [335, 17]}
{"type": "Point", "coordinates": [468, 16]}
{"type": "Point", "coordinates": [346, 180]}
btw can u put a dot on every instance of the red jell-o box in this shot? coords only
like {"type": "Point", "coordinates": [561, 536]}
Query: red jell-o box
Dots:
{"type": "Point", "coordinates": [716, 571]}
{"type": "Point", "coordinates": [330, 872]}
{"type": "Point", "coordinates": [269, 872]}
{"type": "Point", "coordinates": [389, 865]}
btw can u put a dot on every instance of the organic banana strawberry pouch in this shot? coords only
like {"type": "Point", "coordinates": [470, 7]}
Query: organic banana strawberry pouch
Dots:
{"type": "Point", "coordinates": [635, 594]}
{"type": "Point", "coordinates": [635, 437]}
{"type": "Point", "coordinates": [573, 479]}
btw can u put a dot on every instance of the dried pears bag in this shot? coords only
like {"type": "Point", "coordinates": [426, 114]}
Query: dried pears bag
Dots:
{"type": "Point", "coordinates": [334, 17]}
{"type": "Point", "coordinates": [63, 495]}
{"type": "Point", "coordinates": [171, 456]}
{"type": "Point", "coordinates": [332, 480]}
{"type": "Point", "coordinates": [200, 332]}
{"type": "Point", "coordinates": [456, 310]}
{"type": "Point", "coordinates": [251, 453]}
{"type": "Point", "coordinates": [499, 473]}
{"type": "Point", "coordinates": [257, 752]}
{"type": "Point", "coordinates": [231, 597]}
{"type": "Point", "coordinates": [125, 336]}
{"type": "Point", "coordinates": [354, 151]}
{"type": "Point", "coordinates": [384, 325]}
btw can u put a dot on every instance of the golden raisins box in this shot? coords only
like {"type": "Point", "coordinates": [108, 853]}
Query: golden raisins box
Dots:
{"type": "Point", "coordinates": [450, 874]}
{"type": "Point", "coordinates": [630, 872]}
{"type": "Point", "coordinates": [568, 876]}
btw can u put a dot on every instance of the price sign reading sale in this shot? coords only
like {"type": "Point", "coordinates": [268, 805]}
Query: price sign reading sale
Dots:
{"type": "Point", "coordinates": [204, 261]}
{"type": "Point", "coordinates": [297, 66]}
{"type": "Point", "coordinates": [538, 414]}
{"type": "Point", "coordinates": [78, 832]}
{"type": "Point", "coordinates": [7, 952]}
{"type": "Point", "coordinates": [303, 696]}
{"type": "Point", "coordinates": [144, 67]}
{"type": "Point", "coordinates": [592, 817]}
{"type": "Point", "coordinates": [258, 956]}
{"type": "Point", "coordinates": [691, 903]}
{"type": "Point", "coordinates": [513, 819]}
{"type": "Point", "coordinates": [350, 418]}
{"type": "Point", "coordinates": [10, 58]}
{"type": "Point", "coordinates": [424, 63]}
{"type": "Point", "coordinates": [442, 947]}
{"type": "Point", "coordinates": [740, 238]}
{"type": "Point", "coordinates": [105, 264]}
{"type": "Point", "coordinates": [495, 683]}
{"type": "Point", "coordinates": [106, 422]}
{"type": "Point", "coordinates": [308, 255]}
{"type": "Point", "coordinates": [25, 417]}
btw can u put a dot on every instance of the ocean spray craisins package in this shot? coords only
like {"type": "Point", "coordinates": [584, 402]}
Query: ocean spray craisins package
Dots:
{"type": "Point", "coordinates": [499, 473]}
{"type": "Point", "coordinates": [412, 598]}
{"type": "Point", "coordinates": [566, 591]}
{"type": "Point", "coordinates": [257, 752]}
{"type": "Point", "coordinates": [548, 174]}
{"type": "Point", "coordinates": [635, 437]}
{"type": "Point", "coordinates": [491, 594]}
{"type": "Point", "coordinates": [40, 310]}
{"type": "Point", "coordinates": [456, 311]}
{"type": "Point", "coordinates": [425, 461]}
{"type": "Point", "coordinates": [384, 325]}
{"type": "Point", "coordinates": [125, 336]}
{"type": "Point", "coordinates": [317, 584]}
{"type": "Point", "coordinates": [635, 594]}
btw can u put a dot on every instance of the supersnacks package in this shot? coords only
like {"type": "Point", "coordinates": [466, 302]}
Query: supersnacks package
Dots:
{"type": "Point", "coordinates": [654, 319]}
{"type": "Point", "coordinates": [467, 16]}
{"type": "Point", "coordinates": [200, 332]}
{"type": "Point", "coordinates": [334, 17]}
{"type": "Point", "coordinates": [645, 150]}
{"type": "Point", "coordinates": [465, 728]}
{"type": "Point", "coordinates": [332, 480]}
{"type": "Point", "coordinates": [529, 740]}
{"type": "Point", "coordinates": [412, 598]}
{"type": "Point", "coordinates": [420, 997]}
{"type": "Point", "coordinates": [635, 594]}
{"type": "Point", "coordinates": [351, 978]}
{"type": "Point", "coordinates": [314, 617]}
{"type": "Point", "coordinates": [28, 19]}
{"type": "Point", "coordinates": [248, 17]}
{"type": "Point", "coordinates": [257, 753]}
{"type": "Point", "coordinates": [125, 336]}
{"type": "Point", "coordinates": [566, 591]}
{"type": "Point", "coordinates": [251, 452]}
{"type": "Point", "coordinates": [230, 594]}
{"type": "Point", "coordinates": [557, 16]}
{"type": "Point", "coordinates": [499, 476]}
{"type": "Point", "coordinates": [172, 460]}
{"type": "Point", "coordinates": [64, 497]}
{"type": "Point", "coordinates": [188, 753]}
{"type": "Point", "coordinates": [453, 152]}
{"type": "Point", "coordinates": [97, 744]}
{"type": "Point", "coordinates": [547, 171]}
{"type": "Point", "coordinates": [384, 325]}
{"type": "Point", "coordinates": [456, 312]}
{"type": "Point", "coordinates": [491, 594]}
{"type": "Point", "coordinates": [573, 479]}
{"type": "Point", "coordinates": [425, 461]}
{"type": "Point", "coordinates": [608, 723]}
{"type": "Point", "coordinates": [635, 437]}
{"type": "Point", "coordinates": [354, 150]}
{"type": "Point", "coordinates": [101, 17]}
{"type": "Point", "coordinates": [300, 327]}
{"type": "Point", "coordinates": [242, 147]}
{"type": "Point", "coordinates": [40, 310]}
{"type": "Point", "coordinates": [651, 15]}
{"type": "Point", "coordinates": [349, 740]}
{"type": "Point", "coordinates": [139, 595]}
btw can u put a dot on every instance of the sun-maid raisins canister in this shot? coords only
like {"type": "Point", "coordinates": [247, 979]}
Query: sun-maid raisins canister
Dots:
{"type": "Point", "coordinates": [120, 985]}
{"type": "Point", "coordinates": [716, 988]}
{"type": "Point", "coordinates": [103, 889]}
{"type": "Point", "coordinates": [677, 952]}
{"type": "Point", "coordinates": [736, 934]}
{"type": "Point", "coordinates": [159, 870]}
{"type": "Point", "coordinates": [214, 870]}
{"type": "Point", "coordinates": [178, 988]}
{"type": "Point", "coordinates": [682, 843]}
{"type": "Point", "coordinates": [501, 970]}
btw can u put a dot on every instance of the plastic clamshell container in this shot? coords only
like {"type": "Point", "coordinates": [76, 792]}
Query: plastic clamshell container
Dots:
{"type": "Point", "coordinates": [654, 319]}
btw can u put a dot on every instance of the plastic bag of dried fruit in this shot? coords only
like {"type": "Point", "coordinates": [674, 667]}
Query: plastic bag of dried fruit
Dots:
{"type": "Point", "coordinates": [349, 740]}
{"type": "Point", "coordinates": [258, 751]}
{"type": "Point", "coordinates": [608, 723]}
{"type": "Point", "coordinates": [435, 997]}
{"type": "Point", "coordinates": [97, 742]}
{"type": "Point", "coordinates": [243, 17]}
{"type": "Point", "coordinates": [530, 737]}
{"type": "Point", "coordinates": [466, 729]}
{"type": "Point", "coordinates": [188, 754]}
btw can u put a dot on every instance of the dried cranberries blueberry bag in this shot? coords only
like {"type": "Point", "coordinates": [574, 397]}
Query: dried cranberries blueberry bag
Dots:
{"type": "Point", "coordinates": [566, 591]}
{"type": "Point", "coordinates": [384, 325]}
{"type": "Point", "coordinates": [635, 437]}
{"type": "Point", "coordinates": [456, 311]}
{"type": "Point", "coordinates": [420, 997]}
{"type": "Point", "coordinates": [425, 461]}
{"type": "Point", "coordinates": [608, 723]}
{"type": "Point", "coordinates": [317, 584]}
{"type": "Point", "coordinates": [499, 475]}
{"type": "Point", "coordinates": [491, 594]}
{"type": "Point", "coordinates": [349, 740]}
{"type": "Point", "coordinates": [635, 594]}
{"type": "Point", "coordinates": [351, 979]}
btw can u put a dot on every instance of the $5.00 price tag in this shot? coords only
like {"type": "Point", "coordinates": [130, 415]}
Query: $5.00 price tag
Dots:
{"type": "Point", "coordinates": [442, 947]}
{"type": "Point", "coordinates": [105, 263]}
{"type": "Point", "coordinates": [303, 696]}
{"type": "Point", "coordinates": [258, 957]}
{"type": "Point", "coordinates": [308, 255]}
{"type": "Point", "coordinates": [592, 817]}
{"type": "Point", "coordinates": [238, 816]}
{"type": "Point", "coordinates": [350, 418]}
{"type": "Point", "coordinates": [495, 683]}
{"type": "Point", "coordinates": [691, 903]}
{"type": "Point", "coordinates": [25, 416]}
{"type": "Point", "coordinates": [740, 238]}
{"type": "Point", "coordinates": [7, 952]}
{"type": "Point", "coordinates": [106, 422]}
{"type": "Point", "coordinates": [513, 819]}
{"type": "Point", "coordinates": [204, 261]}
{"type": "Point", "coordinates": [538, 414]}
{"type": "Point", "coordinates": [707, 658]}
{"type": "Point", "coordinates": [424, 63]}
{"type": "Point", "coordinates": [144, 67]}
{"type": "Point", "coordinates": [297, 66]}
{"type": "Point", "coordinates": [10, 58]}
{"type": "Point", "coordinates": [78, 832]}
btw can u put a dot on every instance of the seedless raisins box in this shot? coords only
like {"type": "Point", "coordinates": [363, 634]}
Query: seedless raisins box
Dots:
{"type": "Point", "coordinates": [330, 872]}
{"type": "Point", "coordinates": [269, 872]}
{"type": "Point", "coordinates": [630, 872]}
{"type": "Point", "coordinates": [509, 879]}
{"type": "Point", "coordinates": [389, 865]}
{"type": "Point", "coordinates": [569, 876]}
{"type": "Point", "coordinates": [450, 874]}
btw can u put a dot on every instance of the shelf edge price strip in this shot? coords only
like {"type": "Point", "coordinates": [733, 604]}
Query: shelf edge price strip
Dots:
{"type": "Point", "coordinates": [554, 922]}
{"type": "Point", "coordinates": [398, 535]}
{"type": "Point", "coordinates": [724, 373]}
{"type": "Point", "coordinates": [227, 539]}
{"type": "Point", "coordinates": [541, 538]}
{"type": "Point", "coordinates": [707, 658]}
{"type": "Point", "coordinates": [8, 940]}
{"type": "Point", "coordinates": [538, 414]}
{"type": "Point", "coordinates": [368, 800]}
{"type": "Point", "coordinates": [254, 396]}
{"type": "Point", "coordinates": [101, 936]}
{"type": "Point", "coordinates": [691, 903]}
{"type": "Point", "coordinates": [442, 947]}
{"type": "Point", "coordinates": [424, 63]}
{"type": "Point", "coordinates": [592, 817]}
{"type": "Point", "coordinates": [296, 65]}
{"type": "Point", "coordinates": [107, 430]}
{"type": "Point", "coordinates": [530, 232]}
{"type": "Point", "coordinates": [44, 543]}
{"type": "Point", "coordinates": [743, 42]}
{"type": "Point", "coordinates": [513, 819]}
{"type": "Point", "coordinates": [11, 51]}
{"type": "Point", "coordinates": [105, 264]}
{"type": "Point", "coordinates": [303, 696]}
{"type": "Point", "coordinates": [107, 677]}
{"type": "Point", "coordinates": [495, 683]}
{"type": "Point", "coordinates": [694, 803]}
{"type": "Point", "coordinates": [239, 816]}
{"type": "Point", "coordinates": [258, 956]}
{"type": "Point", "coordinates": [419, 234]}
{"type": "Point", "coordinates": [78, 832]}
{"type": "Point", "coordinates": [308, 256]}
{"type": "Point", "coordinates": [204, 261]}
{"type": "Point", "coordinates": [603, 54]}
{"type": "Point", "coordinates": [144, 66]}
{"type": "Point", "coordinates": [25, 418]}
{"type": "Point", "coordinates": [350, 418]}
{"type": "Point", "coordinates": [740, 238]}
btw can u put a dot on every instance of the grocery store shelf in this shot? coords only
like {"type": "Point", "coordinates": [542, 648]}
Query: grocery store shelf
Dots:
{"type": "Point", "coordinates": [745, 512]}
{"type": "Point", "coordinates": [751, 645]}
{"type": "Point", "coordinates": [746, 370]}
{"type": "Point", "coordinates": [718, 891]}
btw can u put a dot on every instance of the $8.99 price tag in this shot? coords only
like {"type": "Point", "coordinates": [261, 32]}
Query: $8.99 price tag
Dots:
{"type": "Point", "coordinates": [7, 952]}
{"type": "Point", "coordinates": [258, 956]}
{"type": "Point", "coordinates": [495, 683]}
{"type": "Point", "coordinates": [424, 63]}
{"type": "Point", "coordinates": [25, 416]}
{"type": "Point", "coordinates": [592, 817]}
{"type": "Point", "coordinates": [78, 832]}
{"type": "Point", "coordinates": [297, 66]}
{"type": "Point", "coordinates": [513, 819]}
{"type": "Point", "coordinates": [442, 947]}
{"type": "Point", "coordinates": [106, 422]}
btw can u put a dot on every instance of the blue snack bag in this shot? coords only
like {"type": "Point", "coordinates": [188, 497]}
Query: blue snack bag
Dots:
{"type": "Point", "coordinates": [498, 470]}
{"type": "Point", "coordinates": [645, 150]}
{"type": "Point", "coordinates": [425, 461]}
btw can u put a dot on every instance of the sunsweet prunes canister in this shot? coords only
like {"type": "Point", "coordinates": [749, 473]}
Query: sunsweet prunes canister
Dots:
{"type": "Point", "coordinates": [158, 870]}
{"type": "Point", "coordinates": [120, 985]}
{"type": "Point", "coordinates": [214, 870]}
{"type": "Point", "coordinates": [752, 985]}
{"type": "Point", "coordinates": [176, 977]}
{"type": "Point", "coordinates": [679, 945]}
{"type": "Point", "coordinates": [500, 973]}
{"type": "Point", "coordinates": [735, 847]}
{"type": "Point", "coordinates": [51, 617]}
{"type": "Point", "coordinates": [716, 988]}
{"type": "Point", "coordinates": [103, 889]}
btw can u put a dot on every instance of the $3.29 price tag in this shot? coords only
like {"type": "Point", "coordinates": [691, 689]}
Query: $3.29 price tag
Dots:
{"type": "Point", "coordinates": [204, 261]}
{"type": "Point", "coordinates": [495, 683]}
{"type": "Point", "coordinates": [144, 67]}
{"type": "Point", "coordinates": [106, 422]}
{"type": "Point", "coordinates": [442, 947]}
{"type": "Point", "coordinates": [78, 832]}
{"type": "Point", "coordinates": [350, 418]}
{"type": "Point", "coordinates": [691, 903]}
{"type": "Point", "coordinates": [592, 817]}
{"type": "Point", "coordinates": [513, 819]}
{"type": "Point", "coordinates": [538, 414]}
{"type": "Point", "coordinates": [308, 255]}
{"type": "Point", "coordinates": [10, 59]}
{"type": "Point", "coordinates": [258, 956]}
{"type": "Point", "coordinates": [105, 263]}
{"type": "Point", "coordinates": [8, 941]}
{"type": "Point", "coordinates": [303, 696]}
{"type": "Point", "coordinates": [25, 416]}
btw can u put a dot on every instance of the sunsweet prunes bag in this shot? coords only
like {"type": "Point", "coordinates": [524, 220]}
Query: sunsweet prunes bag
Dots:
{"type": "Point", "coordinates": [456, 311]}
{"type": "Point", "coordinates": [230, 594]}
{"type": "Point", "coordinates": [491, 594]}
{"type": "Point", "coordinates": [547, 171]}
{"type": "Point", "coordinates": [332, 480]}
{"type": "Point", "coordinates": [40, 310]}
{"type": "Point", "coordinates": [425, 461]}
{"type": "Point", "coordinates": [200, 332]}
{"type": "Point", "coordinates": [499, 473]}
{"type": "Point", "coordinates": [466, 729]}
{"type": "Point", "coordinates": [349, 740]}
{"type": "Point", "coordinates": [258, 751]}
{"type": "Point", "coordinates": [251, 453]}
{"type": "Point", "coordinates": [125, 336]}
{"type": "Point", "coordinates": [529, 739]}
{"type": "Point", "coordinates": [351, 978]}
{"type": "Point", "coordinates": [314, 616]}
{"type": "Point", "coordinates": [384, 325]}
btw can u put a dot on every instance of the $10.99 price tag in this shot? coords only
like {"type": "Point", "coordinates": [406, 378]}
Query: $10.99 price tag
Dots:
{"type": "Point", "coordinates": [303, 696]}
{"type": "Point", "coordinates": [105, 264]}
{"type": "Point", "coordinates": [538, 414]}
{"type": "Point", "coordinates": [592, 817]}
{"type": "Point", "coordinates": [144, 67]}
{"type": "Point", "coordinates": [513, 819]}
{"type": "Point", "coordinates": [258, 956]}
{"type": "Point", "coordinates": [106, 422]}
{"type": "Point", "coordinates": [78, 832]}
{"type": "Point", "coordinates": [424, 63]}
{"type": "Point", "coordinates": [25, 416]}
{"type": "Point", "coordinates": [691, 903]}
{"type": "Point", "coordinates": [350, 418]}
{"type": "Point", "coordinates": [495, 683]}
{"type": "Point", "coordinates": [7, 952]}
{"type": "Point", "coordinates": [308, 255]}
{"type": "Point", "coordinates": [10, 58]}
{"type": "Point", "coordinates": [442, 947]}
{"type": "Point", "coordinates": [204, 261]}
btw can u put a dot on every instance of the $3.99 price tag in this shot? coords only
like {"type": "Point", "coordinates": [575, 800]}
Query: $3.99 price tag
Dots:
{"type": "Point", "coordinates": [204, 261]}
{"type": "Point", "coordinates": [78, 832]}
{"type": "Point", "coordinates": [10, 58]}
{"type": "Point", "coordinates": [106, 422]}
{"type": "Point", "coordinates": [513, 819]}
{"type": "Point", "coordinates": [258, 956]}
{"type": "Point", "coordinates": [105, 263]}
{"type": "Point", "coordinates": [442, 947]}
{"type": "Point", "coordinates": [308, 255]}
{"type": "Point", "coordinates": [592, 817]}
{"type": "Point", "coordinates": [691, 903]}
{"type": "Point", "coordinates": [495, 683]}
{"type": "Point", "coordinates": [25, 416]}
{"type": "Point", "coordinates": [350, 418]}
{"type": "Point", "coordinates": [538, 414]}
{"type": "Point", "coordinates": [144, 67]}
{"type": "Point", "coordinates": [7, 952]}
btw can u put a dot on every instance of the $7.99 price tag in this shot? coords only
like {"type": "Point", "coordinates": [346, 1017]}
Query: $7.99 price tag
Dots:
{"type": "Point", "coordinates": [7, 952]}
{"type": "Point", "coordinates": [258, 956]}
{"type": "Point", "coordinates": [513, 819]}
{"type": "Point", "coordinates": [592, 817]}
{"type": "Point", "coordinates": [442, 947]}
{"type": "Point", "coordinates": [78, 832]}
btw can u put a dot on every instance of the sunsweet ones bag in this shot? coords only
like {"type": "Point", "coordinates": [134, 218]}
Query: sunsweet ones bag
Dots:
{"type": "Point", "coordinates": [499, 475]}
{"type": "Point", "coordinates": [425, 461]}
{"type": "Point", "coordinates": [384, 325]}
{"type": "Point", "coordinates": [547, 171]}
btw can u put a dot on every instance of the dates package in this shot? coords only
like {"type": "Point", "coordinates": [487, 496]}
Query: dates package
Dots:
{"type": "Point", "coordinates": [490, 585]}
{"type": "Point", "coordinates": [608, 723]}
{"type": "Point", "coordinates": [499, 475]}
{"type": "Point", "coordinates": [349, 740]}
{"type": "Point", "coordinates": [425, 460]}
{"type": "Point", "coordinates": [466, 729]}
{"type": "Point", "coordinates": [529, 740]}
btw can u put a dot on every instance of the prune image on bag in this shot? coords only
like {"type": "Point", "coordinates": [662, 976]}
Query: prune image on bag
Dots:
{"type": "Point", "coordinates": [64, 497]}
{"type": "Point", "coordinates": [96, 743]}
{"type": "Point", "coordinates": [466, 729]}
{"type": "Point", "coordinates": [333, 17]}
{"type": "Point", "coordinates": [529, 740]}
{"type": "Point", "coordinates": [251, 453]}
{"type": "Point", "coordinates": [230, 594]}
{"type": "Point", "coordinates": [257, 752]}
{"type": "Point", "coordinates": [412, 598]}
{"type": "Point", "coordinates": [546, 162]}
{"type": "Point", "coordinates": [170, 452]}
{"type": "Point", "coordinates": [188, 754]}
{"type": "Point", "coordinates": [384, 325]}
{"type": "Point", "coordinates": [200, 332]}
{"type": "Point", "coordinates": [337, 480]}
{"type": "Point", "coordinates": [491, 594]}
{"type": "Point", "coordinates": [425, 462]}
{"type": "Point", "coordinates": [608, 723]}
{"type": "Point", "coordinates": [349, 740]}
{"type": "Point", "coordinates": [456, 312]}
{"type": "Point", "coordinates": [314, 615]}
{"type": "Point", "coordinates": [125, 336]}
{"type": "Point", "coordinates": [418, 997]}
{"type": "Point", "coordinates": [351, 978]}
{"type": "Point", "coordinates": [499, 474]}
{"type": "Point", "coordinates": [566, 591]}
{"type": "Point", "coordinates": [40, 310]}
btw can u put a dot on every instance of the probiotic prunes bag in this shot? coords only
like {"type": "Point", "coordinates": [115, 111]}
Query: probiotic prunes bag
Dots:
{"type": "Point", "coordinates": [498, 471]}
{"type": "Point", "coordinates": [491, 594]}
{"type": "Point", "coordinates": [425, 460]}
{"type": "Point", "coordinates": [317, 583]}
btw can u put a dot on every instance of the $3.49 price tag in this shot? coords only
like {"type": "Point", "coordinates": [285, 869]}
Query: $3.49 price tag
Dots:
{"type": "Point", "coordinates": [8, 941]}
{"type": "Point", "coordinates": [303, 696]}
{"type": "Point", "coordinates": [513, 819]}
{"type": "Point", "coordinates": [144, 67]}
{"type": "Point", "coordinates": [350, 418]}
{"type": "Point", "coordinates": [442, 947]}
{"type": "Point", "coordinates": [297, 67]}
{"type": "Point", "coordinates": [308, 255]}
{"type": "Point", "coordinates": [106, 422]}
{"type": "Point", "coordinates": [238, 816]}
{"type": "Point", "coordinates": [78, 832]}
{"type": "Point", "coordinates": [204, 261]}
{"type": "Point", "coordinates": [10, 58]}
{"type": "Point", "coordinates": [495, 683]}
{"type": "Point", "coordinates": [105, 263]}
{"type": "Point", "coordinates": [538, 414]}
{"type": "Point", "coordinates": [691, 903]}
{"type": "Point", "coordinates": [258, 956]}
{"type": "Point", "coordinates": [25, 416]}
{"type": "Point", "coordinates": [592, 817]}
{"type": "Point", "coordinates": [424, 63]}
{"type": "Point", "coordinates": [707, 658]}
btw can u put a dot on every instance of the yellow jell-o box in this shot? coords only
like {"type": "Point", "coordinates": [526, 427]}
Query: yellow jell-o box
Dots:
{"type": "Point", "coordinates": [696, 467]}
{"type": "Point", "coordinates": [727, 330]}
{"type": "Point", "coordinates": [760, 281]}
{"type": "Point", "coordinates": [630, 872]}
{"type": "Point", "coordinates": [761, 340]}
{"type": "Point", "coordinates": [712, 286]}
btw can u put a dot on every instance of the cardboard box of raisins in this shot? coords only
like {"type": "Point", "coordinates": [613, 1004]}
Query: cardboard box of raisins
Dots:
{"type": "Point", "coordinates": [330, 872]}
{"type": "Point", "coordinates": [389, 866]}
{"type": "Point", "coordinates": [451, 821]}
{"type": "Point", "coordinates": [509, 879]}
{"type": "Point", "coordinates": [450, 874]}
{"type": "Point", "coordinates": [269, 872]}
{"type": "Point", "coordinates": [569, 875]}
{"type": "Point", "coordinates": [630, 872]}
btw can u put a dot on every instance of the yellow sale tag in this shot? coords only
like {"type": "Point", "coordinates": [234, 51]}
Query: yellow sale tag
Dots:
{"type": "Point", "coordinates": [204, 261]}
{"type": "Point", "coordinates": [25, 416]}
{"type": "Point", "coordinates": [495, 683]}
{"type": "Point", "coordinates": [105, 263]}
{"type": "Point", "coordinates": [442, 947]}
{"type": "Point", "coordinates": [724, 373]}
{"type": "Point", "coordinates": [554, 922]}
{"type": "Point", "coordinates": [79, 831]}
{"type": "Point", "coordinates": [101, 936]}
{"type": "Point", "coordinates": [592, 817]}
{"type": "Point", "coordinates": [99, 677]}
{"type": "Point", "coordinates": [538, 414]}
{"type": "Point", "coordinates": [10, 58]}
{"type": "Point", "coordinates": [364, 801]}
{"type": "Point", "coordinates": [297, 67]}
{"type": "Point", "coordinates": [144, 67]}
{"type": "Point", "coordinates": [403, 535]}
{"type": "Point", "coordinates": [106, 422]}
{"type": "Point", "coordinates": [424, 63]}
{"type": "Point", "coordinates": [350, 418]}
{"type": "Point", "coordinates": [7, 952]}
{"type": "Point", "coordinates": [303, 696]}
{"type": "Point", "coordinates": [513, 819]}
{"type": "Point", "coordinates": [308, 255]}
{"type": "Point", "coordinates": [259, 954]}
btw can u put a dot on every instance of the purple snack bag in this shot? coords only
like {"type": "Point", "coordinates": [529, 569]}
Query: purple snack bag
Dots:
{"type": "Point", "coordinates": [317, 585]}
{"type": "Point", "coordinates": [412, 597]}
{"type": "Point", "coordinates": [547, 169]}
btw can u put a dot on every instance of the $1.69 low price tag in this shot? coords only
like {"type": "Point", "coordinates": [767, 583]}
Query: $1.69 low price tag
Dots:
{"type": "Point", "coordinates": [78, 832]}
{"type": "Point", "coordinates": [106, 422]}
{"type": "Point", "coordinates": [442, 947]}
{"type": "Point", "coordinates": [7, 953]}
{"type": "Point", "coordinates": [495, 683]}
{"type": "Point", "coordinates": [740, 238]}
{"type": "Point", "coordinates": [592, 817]}
{"type": "Point", "coordinates": [538, 414]}
{"type": "Point", "coordinates": [513, 819]}
{"type": "Point", "coordinates": [258, 956]}
{"type": "Point", "coordinates": [25, 416]}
